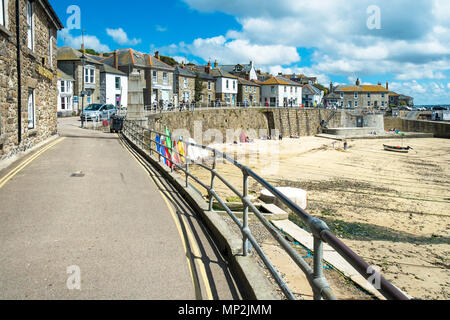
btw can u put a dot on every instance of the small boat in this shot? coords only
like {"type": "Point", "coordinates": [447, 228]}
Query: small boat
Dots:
{"type": "Point", "coordinates": [397, 149]}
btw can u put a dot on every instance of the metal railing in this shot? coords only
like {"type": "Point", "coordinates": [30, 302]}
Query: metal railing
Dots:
{"type": "Point", "coordinates": [145, 139]}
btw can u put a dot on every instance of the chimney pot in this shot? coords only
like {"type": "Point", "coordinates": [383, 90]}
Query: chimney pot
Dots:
{"type": "Point", "coordinates": [216, 64]}
{"type": "Point", "coordinates": [157, 54]}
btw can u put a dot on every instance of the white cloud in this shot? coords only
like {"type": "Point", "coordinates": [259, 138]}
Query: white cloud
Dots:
{"type": "Point", "coordinates": [121, 37]}
{"type": "Point", "coordinates": [160, 28]}
{"type": "Point", "coordinates": [90, 42]}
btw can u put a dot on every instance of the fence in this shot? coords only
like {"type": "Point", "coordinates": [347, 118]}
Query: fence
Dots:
{"type": "Point", "coordinates": [145, 139]}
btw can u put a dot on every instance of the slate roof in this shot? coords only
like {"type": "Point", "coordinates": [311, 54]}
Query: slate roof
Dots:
{"type": "Point", "coordinates": [185, 72]}
{"type": "Point", "coordinates": [70, 54]}
{"type": "Point", "coordinates": [230, 68]}
{"type": "Point", "coordinates": [65, 76]}
{"type": "Point", "coordinates": [248, 83]}
{"type": "Point", "coordinates": [332, 95]}
{"type": "Point", "coordinates": [132, 57]}
{"type": "Point", "coordinates": [105, 68]}
{"type": "Point", "coordinates": [309, 89]}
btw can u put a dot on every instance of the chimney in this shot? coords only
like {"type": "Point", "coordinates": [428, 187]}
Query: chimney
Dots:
{"type": "Point", "coordinates": [252, 65]}
{"type": "Point", "coordinates": [116, 60]}
{"type": "Point", "coordinates": [387, 85]}
{"type": "Point", "coordinates": [208, 67]}
{"type": "Point", "coordinates": [157, 54]}
{"type": "Point", "coordinates": [82, 47]}
{"type": "Point", "coordinates": [358, 82]}
{"type": "Point", "coordinates": [216, 64]}
{"type": "Point", "coordinates": [331, 86]}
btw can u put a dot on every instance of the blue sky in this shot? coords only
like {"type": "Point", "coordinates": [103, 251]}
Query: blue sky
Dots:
{"type": "Point", "coordinates": [403, 42]}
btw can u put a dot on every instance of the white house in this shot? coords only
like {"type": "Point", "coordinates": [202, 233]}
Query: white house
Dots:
{"type": "Point", "coordinates": [281, 92]}
{"type": "Point", "coordinates": [65, 94]}
{"type": "Point", "coordinates": [226, 87]}
{"type": "Point", "coordinates": [312, 96]}
{"type": "Point", "coordinates": [113, 86]}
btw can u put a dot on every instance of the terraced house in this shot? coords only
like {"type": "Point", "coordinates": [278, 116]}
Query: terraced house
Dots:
{"type": "Point", "coordinates": [86, 75]}
{"type": "Point", "coordinates": [156, 76]}
{"type": "Point", "coordinates": [28, 74]}
{"type": "Point", "coordinates": [361, 96]}
{"type": "Point", "coordinates": [249, 93]}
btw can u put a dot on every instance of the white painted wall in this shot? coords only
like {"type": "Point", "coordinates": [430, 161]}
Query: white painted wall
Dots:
{"type": "Point", "coordinates": [111, 91]}
{"type": "Point", "coordinates": [67, 93]}
{"type": "Point", "coordinates": [222, 88]}
{"type": "Point", "coordinates": [280, 94]}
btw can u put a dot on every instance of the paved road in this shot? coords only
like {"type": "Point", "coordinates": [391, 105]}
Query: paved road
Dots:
{"type": "Point", "coordinates": [87, 202]}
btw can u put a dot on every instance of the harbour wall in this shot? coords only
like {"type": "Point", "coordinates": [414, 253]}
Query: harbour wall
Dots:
{"type": "Point", "coordinates": [439, 129]}
{"type": "Point", "coordinates": [255, 122]}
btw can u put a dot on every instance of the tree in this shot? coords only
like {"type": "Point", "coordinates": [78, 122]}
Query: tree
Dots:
{"type": "Point", "coordinates": [199, 86]}
{"type": "Point", "coordinates": [321, 87]}
{"type": "Point", "coordinates": [90, 51]}
{"type": "Point", "coordinates": [168, 60]}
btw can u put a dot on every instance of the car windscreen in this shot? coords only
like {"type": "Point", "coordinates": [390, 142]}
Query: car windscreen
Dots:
{"type": "Point", "coordinates": [94, 107]}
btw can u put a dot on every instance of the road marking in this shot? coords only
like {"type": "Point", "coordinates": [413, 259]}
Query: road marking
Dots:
{"type": "Point", "coordinates": [23, 165]}
{"type": "Point", "coordinates": [191, 238]}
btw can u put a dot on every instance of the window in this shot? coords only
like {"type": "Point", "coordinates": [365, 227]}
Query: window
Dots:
{"type": "Point", "coordinates": [356, 104]}
{"type": "Point", "coordinates": [369, 103]}
{"type": "Point", "coordinates": [63, 86]}
{"type": "Point", "coordinates": [30, 27]}
{"type": "Point", "coordinates": [296, 89]}
{"type": "Point", "coordinates": [185, 83]}
{"type": "Point", "coordinates": [246, 89]}
{"type": "Point", "coordinates": [2, 13]}
{"type": "Point", "coordinates": [31, 122]}
{"type": "Point", "coordinates": [382, 103]}
{"type": "Point", "coordinates": [155, 76]}
{"type": "Point", "coordinates": [228, 84]}
{"type": "Point", "coordinates": [209, 85]}
{"type": "Point", "coordinates": [165, 77]}
{"type": "Point", "coordinates": [117, 83]}
{"type": "Point", "coordinates": [234, 85]}
{"type": "Point", "coordinates": [285, 89]}
{"type": "Point", "coordinates": [66, 103]}
{"type": "Point", "coordinates": [368, 95]}
{"type": "Point", "coordinates": [356, 95]}
{"type": "Point", "coordinates": [209, 98]}
{"type": "Point", "coordinates": [382, 95]}
{"type": "Point", "coordinates": [272, 89]}
{"type": "Point", "coordinates": [89, 75]}
{"type": "Point", "coordinates": [292, 89]}
{"type": "Point", "coordinates": [50, 48]}
{"type": "Point", "coordinates": [342, 95]}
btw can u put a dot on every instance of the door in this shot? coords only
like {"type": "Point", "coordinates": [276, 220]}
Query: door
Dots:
{"type": "Point", "coordinates": [359, 122]}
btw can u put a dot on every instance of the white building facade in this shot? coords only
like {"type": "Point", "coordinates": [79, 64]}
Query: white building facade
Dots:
{"type": "Point", "coordinates": [280, 92]}
{"type": "Point", "coordinates": [65, 95]}
{"type": "Point", "coordinates": [113, 87]}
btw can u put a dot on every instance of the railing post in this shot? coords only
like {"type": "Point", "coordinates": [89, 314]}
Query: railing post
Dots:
{"type": "Point", "coordinates": [245, 244]}
{"type": "Point", "coordinates": [213, 177]}
{"type": "Point", "coordinates": [171, 155]}
{"type": "Point", "coordinates": [187, 173]}
{"type": "Point", "coordinates": [318, 265]}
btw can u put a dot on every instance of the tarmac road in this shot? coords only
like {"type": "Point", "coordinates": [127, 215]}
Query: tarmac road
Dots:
{"type": "Point", "coordinates": [86, 212]}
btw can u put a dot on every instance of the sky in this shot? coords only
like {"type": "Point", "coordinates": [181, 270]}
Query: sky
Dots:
{"type": "Point", "coordinates": [406, 43]}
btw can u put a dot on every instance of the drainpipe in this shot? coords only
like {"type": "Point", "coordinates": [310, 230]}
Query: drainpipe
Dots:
{"type": "Point", "coordinates": [19, 78]}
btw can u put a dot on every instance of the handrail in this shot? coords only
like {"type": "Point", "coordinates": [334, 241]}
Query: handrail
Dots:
{"type": "Point", "coordinates": [321, 233]}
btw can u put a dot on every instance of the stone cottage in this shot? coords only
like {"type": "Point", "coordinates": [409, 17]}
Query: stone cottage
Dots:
{"type": "Point", "coordinates": [85, 73]}
{"type": "Point", "coordinates": [28, 75]}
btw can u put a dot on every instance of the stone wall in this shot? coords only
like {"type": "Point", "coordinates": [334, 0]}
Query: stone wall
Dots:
{"type": "Point", "coordinates": [439, 129]}
{"type": "Point", "coordinates": [255, 122]}
{"type": "Point", "coordinates": [37, 73]}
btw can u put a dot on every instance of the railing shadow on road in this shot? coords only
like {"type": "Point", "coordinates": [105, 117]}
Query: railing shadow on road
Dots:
{"type": "Point", "coordinates": [183, 209]}
{"type": "Point", "coordinates": [150, 142]}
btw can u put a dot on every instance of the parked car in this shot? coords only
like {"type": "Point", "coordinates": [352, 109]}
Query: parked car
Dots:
{"type": "Point", "coordinates": [98, 112]}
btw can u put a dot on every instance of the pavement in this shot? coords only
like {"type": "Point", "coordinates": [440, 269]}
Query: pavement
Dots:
{"type": "Point", "coordinates": [84, 220]}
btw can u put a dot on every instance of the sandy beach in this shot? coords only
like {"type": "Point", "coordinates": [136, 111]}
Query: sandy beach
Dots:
{"type": "Point", "coordinates": [392, 209]}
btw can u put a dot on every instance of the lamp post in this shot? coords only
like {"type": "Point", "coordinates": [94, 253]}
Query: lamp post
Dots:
{"type": "Point", "coordinates": [83, 61]}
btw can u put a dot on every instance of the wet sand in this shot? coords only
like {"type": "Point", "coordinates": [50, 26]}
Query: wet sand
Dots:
{"type": "Point", "coordinates": [392, 209]}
